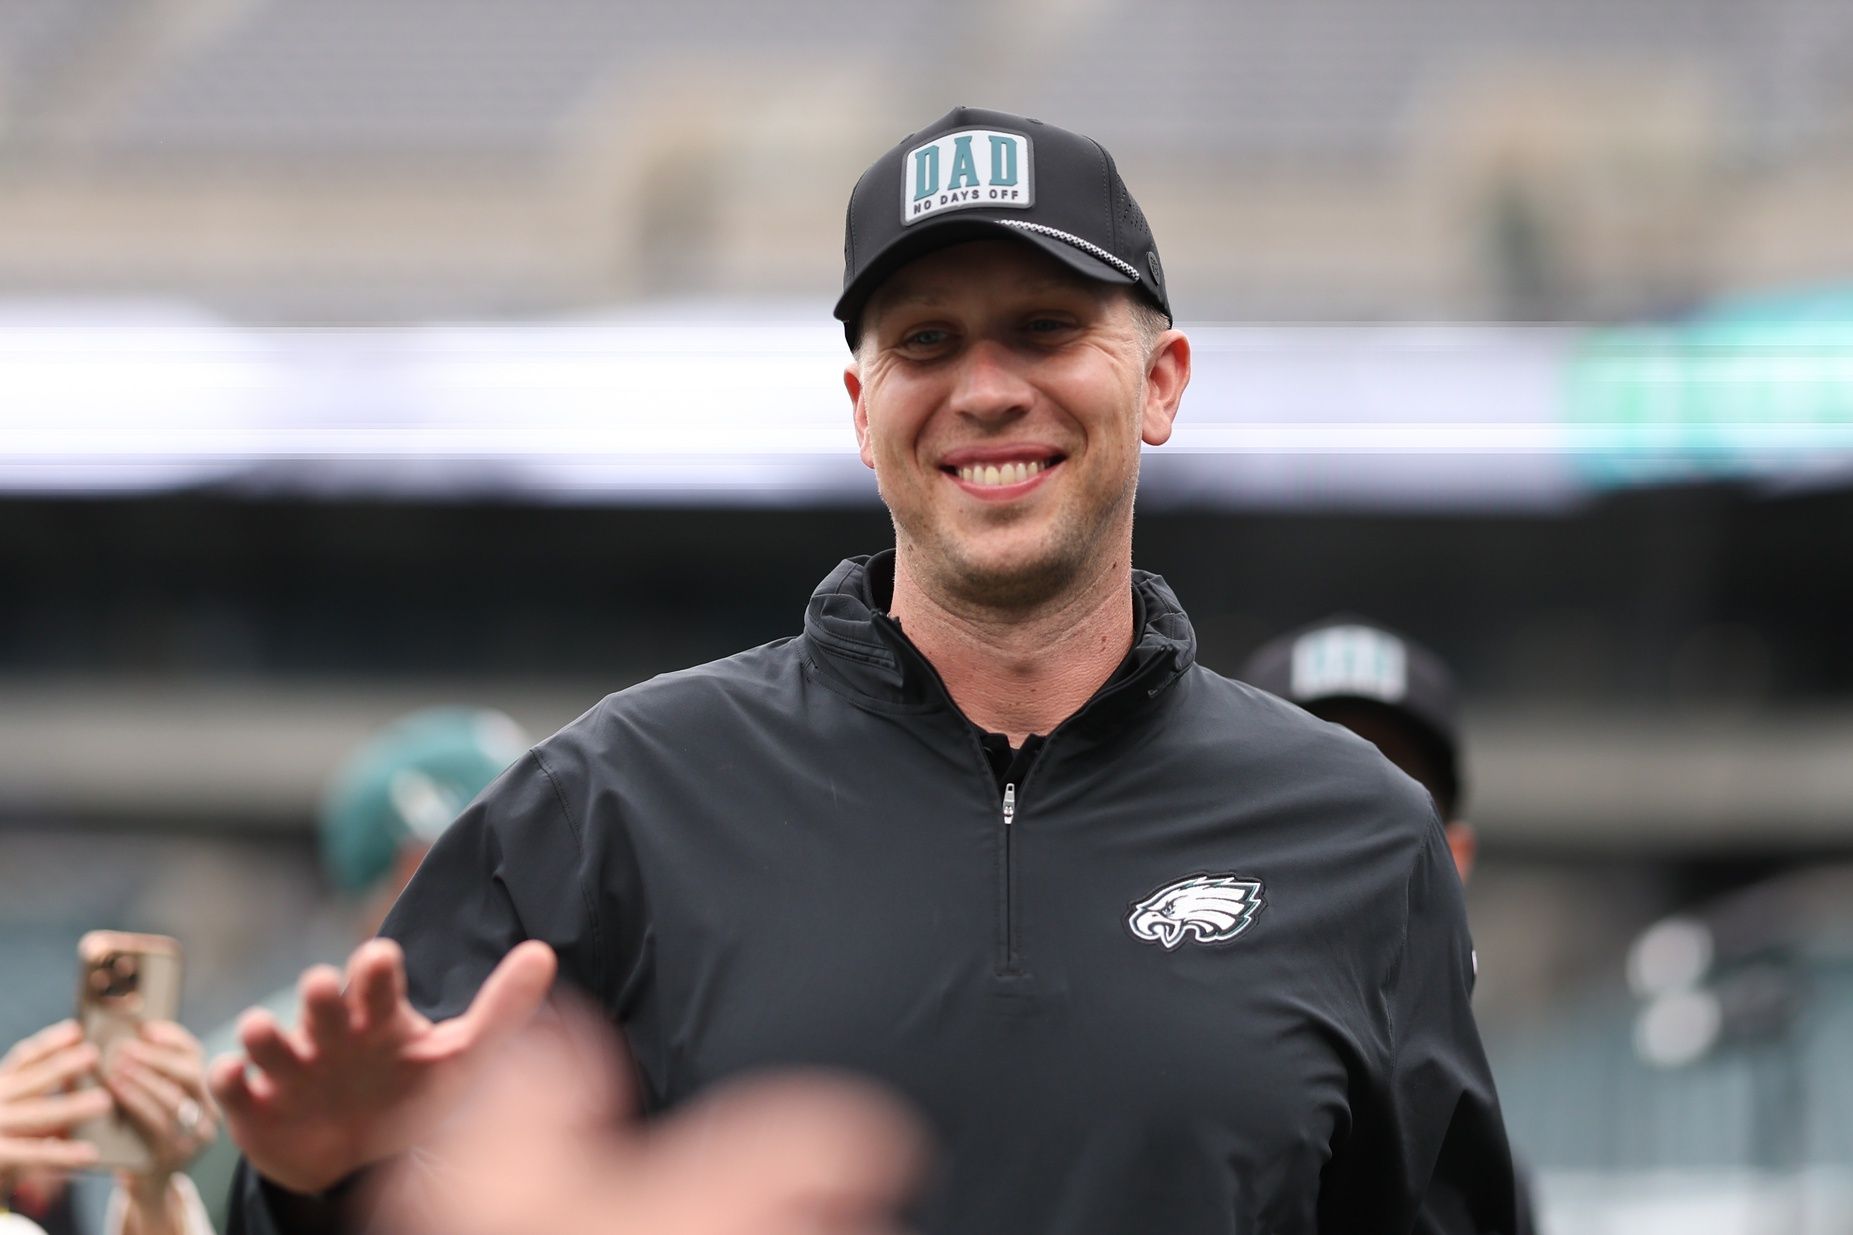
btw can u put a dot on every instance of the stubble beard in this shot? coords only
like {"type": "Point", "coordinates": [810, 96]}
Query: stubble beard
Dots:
{"type": "Point", "coordinates": [1066, 557]}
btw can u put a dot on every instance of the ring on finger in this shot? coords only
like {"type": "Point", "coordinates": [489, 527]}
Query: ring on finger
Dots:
{"type": "Point", "coordinates": [188, 1116]}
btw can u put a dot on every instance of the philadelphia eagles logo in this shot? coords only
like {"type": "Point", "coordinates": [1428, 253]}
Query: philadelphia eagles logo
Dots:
{"type": "Point", "coordinates": [1206, 908]}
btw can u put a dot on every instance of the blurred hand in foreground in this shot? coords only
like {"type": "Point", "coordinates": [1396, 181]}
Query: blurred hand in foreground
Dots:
{"type": "Point", "coordinates": [543, 1145]}
{"type": "Point", "coordinates": [360, 1076]}
{"type": "Point", "coordinates": [37, 1113]}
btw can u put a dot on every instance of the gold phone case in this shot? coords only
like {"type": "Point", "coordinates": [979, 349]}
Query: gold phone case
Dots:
{"type": "Point", "coordinates": [123, 980]}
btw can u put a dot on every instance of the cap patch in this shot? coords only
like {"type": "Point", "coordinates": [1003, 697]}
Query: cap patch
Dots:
{"type": "Point", "coordinates": [1350, 660]}
{"type": "Point", "coordinates": [973, 167]}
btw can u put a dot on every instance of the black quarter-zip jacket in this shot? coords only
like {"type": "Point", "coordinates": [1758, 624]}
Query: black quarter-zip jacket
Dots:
{"type": "Point", "coordinates": [799, 855]}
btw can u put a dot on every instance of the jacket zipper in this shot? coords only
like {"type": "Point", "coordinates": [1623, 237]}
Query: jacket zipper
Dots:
{"type": "Point", "coordinates": [1009, 951]}
{"type": "Point", "coordinates": [1011, 962]}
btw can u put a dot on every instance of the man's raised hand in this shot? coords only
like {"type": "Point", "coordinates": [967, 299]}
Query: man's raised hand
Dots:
{"type": "Point", "coordinates": [363, 1074]}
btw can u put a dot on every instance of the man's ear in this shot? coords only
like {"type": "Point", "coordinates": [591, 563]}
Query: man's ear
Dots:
{"type": "Point", "coordinates": [1166, 375]}
{"type": "Point", "coordinates": [1464, 845]}
{"type": "Point", "coordinates": [859, 414]}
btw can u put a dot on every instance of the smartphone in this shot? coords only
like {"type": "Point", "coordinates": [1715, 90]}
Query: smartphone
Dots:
{"type": "Point", "coordinates": [122, 980]}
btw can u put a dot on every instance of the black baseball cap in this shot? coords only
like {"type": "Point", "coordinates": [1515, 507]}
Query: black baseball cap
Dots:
{"type": "Point", "coordinates": [1347, 658]}
{"type": "Point", "coordinates": [974, 175]}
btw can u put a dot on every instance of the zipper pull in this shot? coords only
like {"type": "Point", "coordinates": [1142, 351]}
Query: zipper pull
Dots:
{"type": "Point", "coordinates": [1010, 804]}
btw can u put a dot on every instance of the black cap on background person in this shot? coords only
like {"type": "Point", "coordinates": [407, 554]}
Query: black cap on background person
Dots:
{"type": "Point", "coordinates": [1387, 689]}
{"type": "Point", "coordinates": [977, 175]}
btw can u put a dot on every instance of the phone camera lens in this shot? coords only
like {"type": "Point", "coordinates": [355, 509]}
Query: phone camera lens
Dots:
{"type": "Point", "coordinates": [116, 976]}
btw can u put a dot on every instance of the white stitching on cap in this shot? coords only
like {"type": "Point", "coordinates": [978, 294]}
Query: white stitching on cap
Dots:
{"type": "Point", "coordinates": [1086, 246]}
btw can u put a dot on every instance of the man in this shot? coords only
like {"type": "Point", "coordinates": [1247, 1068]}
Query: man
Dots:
{"type": "Point", "coordinates": [1398, 696]}
{"type": "Point", "coordinates": [1149, 949]}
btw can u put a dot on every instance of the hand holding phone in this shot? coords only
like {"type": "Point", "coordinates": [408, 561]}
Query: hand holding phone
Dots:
{"type": "Point", "coordinates": [37, 1108]}
{"type": "Point", "coordinates": [125, 981]}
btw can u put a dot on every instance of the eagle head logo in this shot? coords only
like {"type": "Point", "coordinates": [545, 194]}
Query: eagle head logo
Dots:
{"type": "Point", "coordinates": [1206, 908]}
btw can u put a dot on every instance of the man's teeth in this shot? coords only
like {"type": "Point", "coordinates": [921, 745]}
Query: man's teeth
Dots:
{"type": "Point", "coordinates": [999, 473]}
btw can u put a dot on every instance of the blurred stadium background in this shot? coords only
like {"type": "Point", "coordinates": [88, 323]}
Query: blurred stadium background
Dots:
{"type": "Point", "coordinates": [358, 355]}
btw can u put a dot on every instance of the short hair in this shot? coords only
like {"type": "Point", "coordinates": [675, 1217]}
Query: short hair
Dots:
{"type": "Point", "coordinates": [1150, 321]}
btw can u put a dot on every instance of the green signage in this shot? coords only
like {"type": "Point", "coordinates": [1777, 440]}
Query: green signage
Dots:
{"type": "Point", "coordinates": [1752, 390]}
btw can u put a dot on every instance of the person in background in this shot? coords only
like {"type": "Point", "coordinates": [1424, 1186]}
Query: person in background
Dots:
{"type": "Point", "coordinates": [157, 1081]}
{"type": "Point", "coordinates": [1400, 697]}
{"type": "Point", "coordinates": [385, 805]}
{"type": "Point", "coordinates": [1393, 693]}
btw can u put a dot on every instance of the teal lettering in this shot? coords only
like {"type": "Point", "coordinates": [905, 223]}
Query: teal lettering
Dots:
{"type": "Point", "coordinates": [1003, 155]}
{"type": "Point", "coordinates": [964, 170]}
{"type": "Point", "coordinates": [926, 172]}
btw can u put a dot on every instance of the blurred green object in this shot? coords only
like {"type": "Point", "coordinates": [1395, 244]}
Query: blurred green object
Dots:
{"type": "Point", "coordinates": [406, 784]}
{"type": "Point", "coordinates": [1751, 387]}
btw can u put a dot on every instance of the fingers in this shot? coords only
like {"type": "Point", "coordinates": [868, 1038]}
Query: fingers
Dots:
{"type": "Point", "coordinates": [231, 1089]}
{"type": "Point", "coordinates": [510, 995]}
{"type": "Point", "coordinates": [371, 998]}
{"type": "Point", "coordinates": [145, 1107]}
{"type": "Point", "coordinates": [376, 984]}
{"type": "Point", "coordinates": [48, 1071]}
{"type": "Point", "coordinates": [324, 1011]}
{"type": "Point", "coordinates": [52, 1116]}
{"type": "Point", "coordinates": [31, 1049]}
{"type": "Point", "coordinates": [240, 1084]}
{"type": "Point", "coordinates": [146, 1080]}
{"type": "Point", "coordinates": [155, 1105]}
{"type": "Point", "coordinates": [269, 1048]}
{"type": "Point", "coordinates": [52, 1152]}
{"type": "Point", "coordinates": [827, 1144]}
{"type": "Point", "coordinates": [183, 1067]}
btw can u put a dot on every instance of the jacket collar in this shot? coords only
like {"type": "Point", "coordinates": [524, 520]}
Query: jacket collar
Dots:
{"type": "Point", "coordinates": [866, 652]}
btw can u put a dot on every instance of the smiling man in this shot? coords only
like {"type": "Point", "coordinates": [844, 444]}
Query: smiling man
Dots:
{"type": "Point", "coordinates": [1148, 949]}
{"type": "Point", "coordinates": [1001, 401]}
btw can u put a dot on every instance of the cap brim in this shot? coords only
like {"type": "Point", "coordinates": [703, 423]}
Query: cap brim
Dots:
{"type": "Point", "coordinates": [933, 237]}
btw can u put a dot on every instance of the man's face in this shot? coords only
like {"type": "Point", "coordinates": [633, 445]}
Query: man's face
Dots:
{"type": "Point", "coordinates": [1001, 400]}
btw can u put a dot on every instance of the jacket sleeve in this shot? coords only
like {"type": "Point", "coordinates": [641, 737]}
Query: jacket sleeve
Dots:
{"type": "Point", "coordinates": [514, 866]}
{"type": "Point", "coordinates": [259, 1207]}
{"type": "Point", "coordinates": [1428, 1151]}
